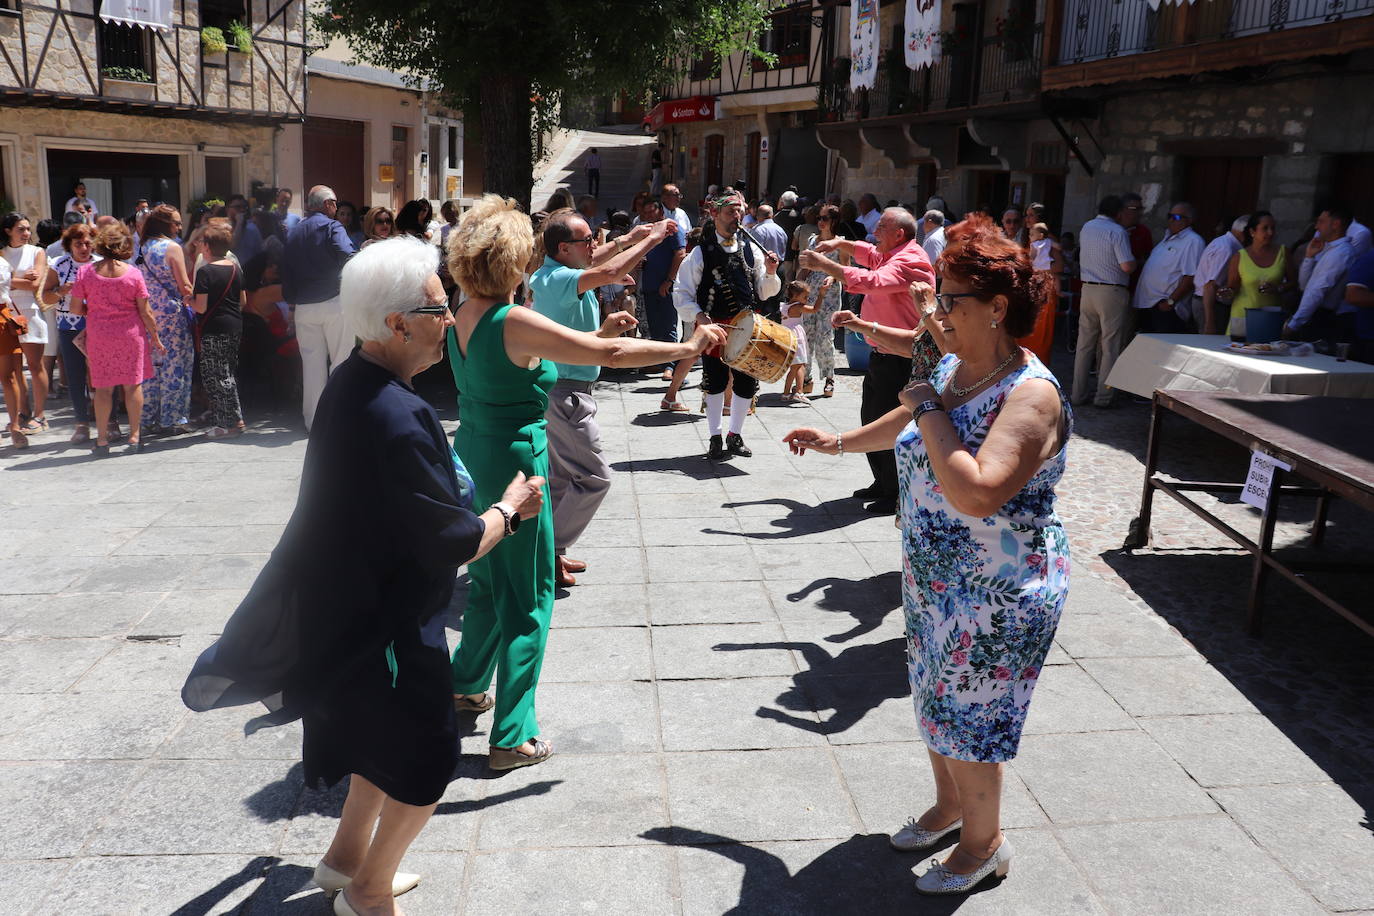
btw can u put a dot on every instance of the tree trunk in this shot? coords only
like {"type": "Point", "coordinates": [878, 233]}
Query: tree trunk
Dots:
{"type": "Point", "coordinates": [508, 158]}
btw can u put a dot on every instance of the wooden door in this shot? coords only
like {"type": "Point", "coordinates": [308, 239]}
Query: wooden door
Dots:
{"type": "Point", "coordinates": [715, 160]}
{"type": "Point", "coordinates": [400, 165]}
{"type": "Point", "coordinates": [333, 151]}
{"type": "Point", "coordinates": [1220, 188]}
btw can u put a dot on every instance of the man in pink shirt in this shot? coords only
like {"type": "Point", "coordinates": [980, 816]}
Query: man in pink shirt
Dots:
{"type": "Point", "coordinates": [884, 278]}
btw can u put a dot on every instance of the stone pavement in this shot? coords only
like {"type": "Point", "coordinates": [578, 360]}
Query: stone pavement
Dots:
{"type": "Point", "coordinates": [726, 691]}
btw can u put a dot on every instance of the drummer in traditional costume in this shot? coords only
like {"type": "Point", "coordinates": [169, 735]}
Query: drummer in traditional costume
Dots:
{"type": "Point", "coordinates": [723, 276]}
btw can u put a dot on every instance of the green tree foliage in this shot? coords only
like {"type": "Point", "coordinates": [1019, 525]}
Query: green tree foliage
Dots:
{"type": "Point", "coordinates": [515, 59]}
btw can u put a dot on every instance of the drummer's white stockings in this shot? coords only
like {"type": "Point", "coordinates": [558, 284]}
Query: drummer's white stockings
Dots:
{"type": "Point", "coordinates": [715, 409]}
{"type": "Point", "coordinates": [739, 412]}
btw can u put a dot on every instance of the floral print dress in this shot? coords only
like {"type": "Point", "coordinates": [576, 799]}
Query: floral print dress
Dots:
{"type": "Point", "coordinates": [982, 595]}
{"type": "Point", "coordinates": [167, 395]}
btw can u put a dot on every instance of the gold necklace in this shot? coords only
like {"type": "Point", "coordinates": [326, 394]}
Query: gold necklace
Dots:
{"type": "Point", "coordinates": [965, 392]}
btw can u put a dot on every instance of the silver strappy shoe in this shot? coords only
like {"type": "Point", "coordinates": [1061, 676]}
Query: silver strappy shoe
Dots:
{"type": "Point", "coordinates": [940, 880]}
{"type": "Point", "coordinates": [913, 837]}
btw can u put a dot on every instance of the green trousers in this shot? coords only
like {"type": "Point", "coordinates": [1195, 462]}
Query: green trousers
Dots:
{"type": "Point", "coordinates": [510, 602]}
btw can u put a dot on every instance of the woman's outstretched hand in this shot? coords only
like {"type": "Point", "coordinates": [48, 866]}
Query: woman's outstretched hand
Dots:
{"type": "Point", "coordinates": [808, 437]}
{"type": "Point", "coordinates": [709, 336]}
{"type": "Point", "coordinates": [525, 495]}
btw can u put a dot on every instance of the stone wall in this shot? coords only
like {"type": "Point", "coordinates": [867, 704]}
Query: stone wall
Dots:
{"type": "Point", "coordinates": [97, 130]}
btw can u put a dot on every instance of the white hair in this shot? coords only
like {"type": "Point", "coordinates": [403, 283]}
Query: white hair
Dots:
{"type": "Point", "coordinates": [385, 277]}
{"type": "Point", "coordinates": [787, 200]}
{"type": "Point", "coordinates": [319, 196]}
{"type": "Point", "coordinates": [934, 217]}
{"type": "Point", "coordinates": [903, 219]}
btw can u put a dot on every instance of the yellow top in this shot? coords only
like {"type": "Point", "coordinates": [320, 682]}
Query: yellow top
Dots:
{"type": "Point", "coordinates": [1251, 276]}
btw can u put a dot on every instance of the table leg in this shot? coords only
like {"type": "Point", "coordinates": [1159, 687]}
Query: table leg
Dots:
{"type": "Point", "coordinates": [1138, 535]}
{"type": "Point", "coordinates": [1266, 545]}
{"type": "Point", "coordinates": [1319, 523]}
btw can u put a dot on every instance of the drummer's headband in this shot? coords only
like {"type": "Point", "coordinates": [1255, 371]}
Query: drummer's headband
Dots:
{"type": "Point", "coordinates": [725, 200]}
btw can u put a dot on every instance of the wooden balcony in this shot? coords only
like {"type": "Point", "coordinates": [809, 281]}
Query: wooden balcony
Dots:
{"type": "Point", "coordinates": [1095, 43]}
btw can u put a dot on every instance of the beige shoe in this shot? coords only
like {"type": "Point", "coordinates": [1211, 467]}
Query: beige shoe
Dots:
{"type": "Point", "coordinates": [509, 758]}
{"type": "Point", "coordinates": [332, 881]}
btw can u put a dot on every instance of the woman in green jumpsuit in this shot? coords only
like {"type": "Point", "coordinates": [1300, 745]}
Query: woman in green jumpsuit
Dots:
{"type": "Point", "coordinates": [502, 357]}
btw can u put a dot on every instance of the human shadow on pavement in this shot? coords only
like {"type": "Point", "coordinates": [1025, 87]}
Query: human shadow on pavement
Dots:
{"type": "Point", "coordinates": [853, 683]}
{"type": "Point", "coordinates": [861, 875]}
{"type": "Point", "coordinates": [684, 466]}
{"type": "Point", "coordinates": [801, 518]}
{"type": "Point", "coordinates": [208, 902]}
{"type": "Point", "coordinates": [661, 418]}
{"type": "Point", "coordinates": [868, 601]}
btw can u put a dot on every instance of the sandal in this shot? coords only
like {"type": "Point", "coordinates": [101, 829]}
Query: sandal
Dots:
{"type": "Point", "coordinates": [509, 758]}
{"type": "Point", "coordinates": [674, 406]}
{"type": "Point", "coordinates": [467, 704]}
{"type": "Point", "coordinates": [17, 438]}
{"type": "Point", "coordinates": [829, 390]}
{"type": "Point", "coordinates": [34, 425]}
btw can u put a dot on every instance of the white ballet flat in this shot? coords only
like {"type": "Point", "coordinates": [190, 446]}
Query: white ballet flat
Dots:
{"type": "Point", "coordinates": [913, 837]}
{"type": "Point", "coordinates": [342, 907]}
{"type": "Point", "coordinates": [940, 880]}
{"type": "Point", "coordinates": [332, 881]}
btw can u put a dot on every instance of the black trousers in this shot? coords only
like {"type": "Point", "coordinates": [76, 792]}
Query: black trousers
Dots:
{"type": "Point", "coordinates": [715, 374]}
{"type": "Point", "coordinates": [887, 376]}
{"type": "Point", "coordinates": [594, 182]}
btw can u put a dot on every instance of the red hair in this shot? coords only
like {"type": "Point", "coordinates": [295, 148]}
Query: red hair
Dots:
{"type": "Point", "coordinates": [991, 264]}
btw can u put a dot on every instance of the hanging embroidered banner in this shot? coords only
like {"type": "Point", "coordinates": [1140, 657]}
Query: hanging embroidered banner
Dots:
{"type": "Point", "coordinates": [922, 33]}
{"type": "Point", "coordinates": [1154, 4]}
{"type": "Point", "coordinates": [863, 44]}
{"type": "Point", "coordinates": [154, 14]}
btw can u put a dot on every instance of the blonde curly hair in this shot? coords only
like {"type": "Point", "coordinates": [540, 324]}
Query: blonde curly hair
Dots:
{"type": "Point", "coordinates": [490, 248]}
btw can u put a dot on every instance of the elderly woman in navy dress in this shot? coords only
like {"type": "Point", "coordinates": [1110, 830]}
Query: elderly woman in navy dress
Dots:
{"type": "Point", "coordinates": [345, 626]}
{"type": "Point", "coordinates": [980, 446]}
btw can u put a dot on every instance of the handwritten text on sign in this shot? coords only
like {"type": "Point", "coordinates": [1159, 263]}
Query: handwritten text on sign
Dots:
{"type": "Point", "coordinates": [1260, 481]}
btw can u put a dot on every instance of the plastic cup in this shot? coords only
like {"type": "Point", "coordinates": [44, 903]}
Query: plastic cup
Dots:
{"type": "Point", "coordinates": [1342, 352]}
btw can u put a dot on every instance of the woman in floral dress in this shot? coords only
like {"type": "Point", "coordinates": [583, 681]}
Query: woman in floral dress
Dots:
{"type": "Point", "coordinates": [167, 395]}
{"type": "Point", "coordinates": [820, 336]}
{"type": "Point", "coordinates": [980, 447]}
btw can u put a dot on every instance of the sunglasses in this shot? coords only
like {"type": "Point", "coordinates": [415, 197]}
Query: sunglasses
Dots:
{"type": "Point", "coordinates": [381, 222]}
{"type": "Point", "coordinates": [945, 302]}
{"type": "Point", "coordinates": [440, 308]}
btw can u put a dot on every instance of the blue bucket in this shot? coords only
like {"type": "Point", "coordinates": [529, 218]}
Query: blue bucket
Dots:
{"type": "Point", "coordinates": [1263, 326]}
{"type": "Point", "coordinates": [856, 351]}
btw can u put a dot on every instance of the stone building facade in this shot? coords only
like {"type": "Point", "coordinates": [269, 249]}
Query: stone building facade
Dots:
{"type": "Point", "coordinates": [149, 110]}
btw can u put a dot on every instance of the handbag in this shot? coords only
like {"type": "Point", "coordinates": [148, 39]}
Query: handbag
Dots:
{"type": "Point", "coordinates": [14, 322]}
{"type": "Point", "coordinates": [200, 322]}
{"type": "Point", "coordinates": [925, 356]}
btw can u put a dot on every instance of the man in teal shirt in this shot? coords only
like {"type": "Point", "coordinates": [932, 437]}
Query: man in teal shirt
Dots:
{"type": "Point", "coordinates": [564, 290]}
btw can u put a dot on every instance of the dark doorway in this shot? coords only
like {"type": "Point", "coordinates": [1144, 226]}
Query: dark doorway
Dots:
{"type": "Point", "coordinates": [992, 192]}
{"type": "Point", "coordinates": [1352, 184]}
{"type": "Point", "coordinates": [751, 166]}
{"type": "Point", "coordinates": [131, 176]}
{"type": "Point", "coordinates": [334, 153]}
{"type": "Point", "coordinates": [798, 160]}
{"type": "Point", "coordinates": [219, 177]}
{"type": "Point", "coordinates": [715, 160]}
{"type": "Point", "coordinates": [1220, 188]}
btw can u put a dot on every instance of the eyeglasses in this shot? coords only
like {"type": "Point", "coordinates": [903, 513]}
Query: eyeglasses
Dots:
{"type": "Point", "coordinates": [946, 301]}
{"type": "Point", "coordinates": [585, 241]}
{"type": "Point", "coordinates": [437, 308]}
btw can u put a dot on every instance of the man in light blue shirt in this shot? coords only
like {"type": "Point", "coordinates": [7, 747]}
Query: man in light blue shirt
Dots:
{"type": "Point", "coordinates": [1323, 311]}
{"type": "Point", "coordinates": [1105, 263]}
{"type": "Point", "coordinates": [564, 290]}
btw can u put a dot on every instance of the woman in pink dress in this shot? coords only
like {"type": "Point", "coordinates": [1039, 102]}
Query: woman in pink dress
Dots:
{"type": "Point", "coordinates": [119, 325]}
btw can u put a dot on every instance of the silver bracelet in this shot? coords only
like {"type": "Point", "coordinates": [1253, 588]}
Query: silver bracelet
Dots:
{"type": "Point", "coordinates": [839, 443]}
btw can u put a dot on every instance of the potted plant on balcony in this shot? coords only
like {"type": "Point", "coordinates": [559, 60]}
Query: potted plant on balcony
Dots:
{"type": "Point", "coordinates": [212, 40]}
{"type": "Point", "coordinates": [128, 83]}
{"type": "Point", "coordinates": [242, 37]}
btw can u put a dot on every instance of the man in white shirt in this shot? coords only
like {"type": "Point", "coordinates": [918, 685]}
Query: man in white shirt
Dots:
{"type": "Point", "coordinates": [1323, 311]}
{"type": "Point", "coordinates": [672, 207]}
{"type": "Point", "coordinates": [869, 214]}
{"type": "Point", "coordinates": [1211, 275]}
{"type": "Point", "coordinates": [592, 165]}
{"type": "Point", "coordinates": [724, 275]}
{"type": "Point", "coordinates": [1105, 263]}
{"type": "Point", "coordinates": [1163, 297]}
{"type": "Point", "coordinates": [82, 204]}
{"type": "Point", "coordinates": [933, 226]}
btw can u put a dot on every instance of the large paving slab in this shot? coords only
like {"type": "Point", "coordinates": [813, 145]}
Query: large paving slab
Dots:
{"type": "Point", "coordinates": [726, 691]}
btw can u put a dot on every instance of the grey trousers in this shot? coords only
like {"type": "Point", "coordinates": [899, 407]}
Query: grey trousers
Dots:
{"type": "Point", "coordinates": [579, 476]}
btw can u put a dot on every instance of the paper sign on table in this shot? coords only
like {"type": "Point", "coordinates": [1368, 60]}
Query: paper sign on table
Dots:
{"type": "Point", "coordinates": [1260, 481]}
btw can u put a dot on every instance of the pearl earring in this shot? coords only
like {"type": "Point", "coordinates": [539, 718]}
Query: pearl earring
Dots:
{"type": "Point", "coordinates": [994, 323]}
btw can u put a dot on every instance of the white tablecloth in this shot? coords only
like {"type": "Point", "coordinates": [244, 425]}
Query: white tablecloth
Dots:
{"type": "Point", "coordinates": [1197, 362]}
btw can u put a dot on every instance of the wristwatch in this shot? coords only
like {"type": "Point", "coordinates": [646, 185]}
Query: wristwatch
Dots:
{"type": "Point", "coordinates": [511, 517]}
{"type": "Point", "coordinates": [924, 408]}
{"type": "Point", "coordinates": [1171, 302]}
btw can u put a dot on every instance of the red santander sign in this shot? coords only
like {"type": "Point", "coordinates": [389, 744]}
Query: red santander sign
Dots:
{"type": "Point", "coordinates": [677, 111]}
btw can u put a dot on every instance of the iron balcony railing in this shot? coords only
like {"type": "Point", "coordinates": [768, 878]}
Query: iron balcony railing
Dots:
{"type": "Point", "coordinates": [1094, 30]}
{"type": "Point", "coordinates": [997, 69]}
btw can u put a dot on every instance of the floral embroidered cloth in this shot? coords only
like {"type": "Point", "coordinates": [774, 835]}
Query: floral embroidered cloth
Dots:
{"type": "Point", "coordinates": [922, 23]}
{"type": "Point", "coordinates": [982, 595]}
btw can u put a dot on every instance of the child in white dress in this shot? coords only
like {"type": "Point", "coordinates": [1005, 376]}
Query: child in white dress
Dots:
{"type": "Point", "coordinates": [793, 311]}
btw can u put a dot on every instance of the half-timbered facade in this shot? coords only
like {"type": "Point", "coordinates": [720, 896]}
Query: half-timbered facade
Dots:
{"type": "Point", "coordinates": [168, 99]}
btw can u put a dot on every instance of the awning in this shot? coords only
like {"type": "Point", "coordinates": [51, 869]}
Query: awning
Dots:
{"type": "Point", "coordinates": [697, 108]}
{"type": "Point", "coordinates": [153, 14]}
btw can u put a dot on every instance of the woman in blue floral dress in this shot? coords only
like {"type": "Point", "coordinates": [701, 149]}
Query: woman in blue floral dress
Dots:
{"type": "Point", "coordinates": [980, 446]}
{"type": "Point", "coordinates": [167, 395]}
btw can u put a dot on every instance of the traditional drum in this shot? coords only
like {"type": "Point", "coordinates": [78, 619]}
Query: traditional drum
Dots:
{"type": "Point", "coordinates": [758, 347]}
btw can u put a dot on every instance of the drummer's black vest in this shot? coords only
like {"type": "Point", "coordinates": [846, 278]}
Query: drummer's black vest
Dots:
{"type": "Point", "coordinates": [727, 280]}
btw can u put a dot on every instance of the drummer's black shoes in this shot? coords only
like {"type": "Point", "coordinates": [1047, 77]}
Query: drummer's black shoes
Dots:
{"type": "Point", "coordinates": [872, 491]}
{"type": "Point", "coordinates": [717, 450]}
{"type": "Point", "coordinates": [736, 445]}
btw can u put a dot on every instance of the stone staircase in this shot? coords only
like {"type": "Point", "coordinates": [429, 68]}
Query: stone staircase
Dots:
{"type": "Point", "coordinates": [624, 151]}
